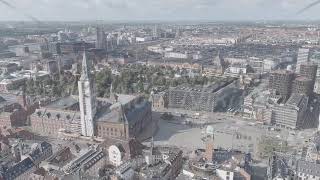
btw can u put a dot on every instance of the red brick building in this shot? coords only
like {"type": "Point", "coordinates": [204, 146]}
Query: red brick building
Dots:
{"type": "Point", "coordinates": [12, 114]}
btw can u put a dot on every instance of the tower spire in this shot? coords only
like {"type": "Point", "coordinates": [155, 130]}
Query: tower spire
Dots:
{"type": "Point", "coordinates": [85, 74]}
{"type": "Point", "coordinates": [87, 99]}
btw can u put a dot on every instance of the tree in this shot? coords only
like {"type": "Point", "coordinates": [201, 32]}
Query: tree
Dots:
{"type": "Point", "coordinates": [167, 116]}
{"type": "Point", "coordinates": [103, 82]}
{"type": "Point", "coordinates": [39, 113]}
{"type": "Point", "coordinates": [30, 89]}
{"type": "Point", "coordinates": [48, 115]}
{"type": "Point", "coordinates": [268, 145]}
{"type": "Point", "coordinates": [140, 86]}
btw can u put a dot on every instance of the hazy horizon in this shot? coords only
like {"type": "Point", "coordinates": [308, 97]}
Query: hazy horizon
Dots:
{"type": "Point", "coordinates": [162, 10]}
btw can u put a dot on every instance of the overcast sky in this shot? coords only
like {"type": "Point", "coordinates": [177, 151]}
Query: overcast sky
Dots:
{"type": "Point", "coordinates": [70, 10]}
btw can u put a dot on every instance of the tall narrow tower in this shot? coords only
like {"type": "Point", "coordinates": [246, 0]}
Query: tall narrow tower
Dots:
{"type": "Point", "coordinates": [101, 42]}
{"type": "Point", "coordinates": [87, 98]}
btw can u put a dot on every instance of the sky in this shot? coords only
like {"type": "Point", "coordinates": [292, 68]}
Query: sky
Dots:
{"type": "Point", "coordinates": [166, 10]}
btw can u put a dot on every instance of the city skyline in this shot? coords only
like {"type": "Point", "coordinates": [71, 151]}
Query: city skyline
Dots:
{"type": "Point", "coordinates": [166, 89]}
{"type": "Point", "coordinates": [164, 10]}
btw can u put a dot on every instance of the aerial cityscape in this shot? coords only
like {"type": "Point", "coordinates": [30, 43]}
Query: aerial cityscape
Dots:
{"type": "Point", "coordinates": [156, 96]}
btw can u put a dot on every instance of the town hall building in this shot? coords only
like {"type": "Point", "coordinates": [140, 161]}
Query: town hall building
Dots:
{"type": "Point", "coordinates": [122, 116]}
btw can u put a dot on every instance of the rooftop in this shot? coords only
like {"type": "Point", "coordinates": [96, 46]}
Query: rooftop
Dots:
{"type": "Point", "coordinates": [283, 72]}
{"type": "Point", "coordinates": [212, 88]}
{"type": "Point", "coordinates": [63, 103]}
{"type": "Point", "coordinates": [295, 100]}
{"type": "Point", "coordinates": [309, 63]}
{"type": "Point", "coordinates": [123, 99]}
{"type": "Point", "coordinates": [127, 108]}
{"type": "Point", "coordinates": [308, 168]}
{"type": "Point", "coordinates": [302, 78]}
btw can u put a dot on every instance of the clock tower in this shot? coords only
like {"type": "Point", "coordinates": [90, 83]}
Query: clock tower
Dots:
{"type": "Point", "coordinates": [87, 99]}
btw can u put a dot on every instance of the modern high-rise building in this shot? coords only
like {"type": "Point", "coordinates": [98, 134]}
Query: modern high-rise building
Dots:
{"type": "Point", "coordinates": [291, 114]}
{"type": "Point", "coordinates": [303, 56]}
{"type": "Point", "coordinates": [101, 42]}
{"type": "Point", "coordinates": [87, 99]}
{"type": "Point", "coordinates": [309, 70]}
{"type": "Point", "coordinates": [280, 83]}
{"type": "Point", "coordinates": [204, 98]}
{"type": "Point", "coordinates": [155, 32]}
{"type": "Point", "coordinates": [302, 85]}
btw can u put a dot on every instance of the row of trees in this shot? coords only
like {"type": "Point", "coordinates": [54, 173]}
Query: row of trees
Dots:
{"type": "Point", "coordinates": [51, 86]}
{"type": "Point", "coordinates": [142, 79]}
{"type": "Point", "coordinates": [132, 79]}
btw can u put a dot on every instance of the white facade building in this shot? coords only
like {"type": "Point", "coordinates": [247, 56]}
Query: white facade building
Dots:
{"type": "Point", "coordinates": [308, 170]}
{"type": "Point", "coordinates": [115, 155]}
{"type": "Point", "coordinates": [143, 39]}
{"type": "Point", "coordinates": [236, 60]}
{"type": "Point", "coordinates": [176, 55]}
{"type": "Point", "coordinates": [269, 65]}
{"type": "Point", "coordinates": [303, 56]}
{"type": "Point", "coordinates": [237, 69]}
{"type": "Point", "coordinates": [224, 174]}
{"type": "Point", "coordinates": [155, 49]}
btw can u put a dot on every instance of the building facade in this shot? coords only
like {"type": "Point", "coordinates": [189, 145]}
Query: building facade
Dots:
{"type": "Point", "coordinates": [124, 117]}
{"type": "Point", "coordinates": [309, 70]}
{"type": "Point", "coordinates": [303, 56]}
{"type": "Point", "coordinates": [302, 85]}
{"type": "Point", "coordinates": [159, 101]}
{"type": "Point", "coordinates": [101, 39]}
{"type": "Point", "coordinates": [203, 98]}
{"type": "Point", "coordinates": [291, 114]}
{"type": "Point", "coordinates": [280, 83]}
{"type": "Point", "coordinates": [13, 112]}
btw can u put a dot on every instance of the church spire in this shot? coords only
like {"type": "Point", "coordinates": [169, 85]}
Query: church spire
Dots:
{"type": "Point", "coordinates": [85, 74]}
